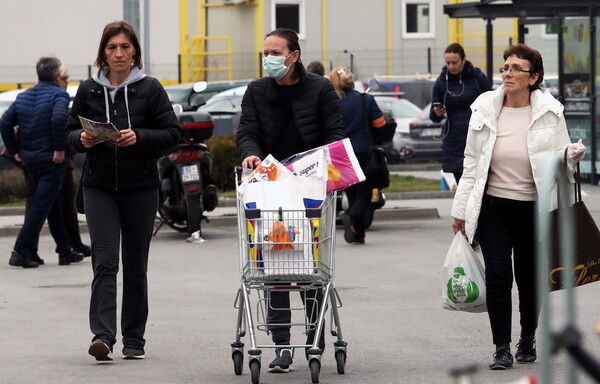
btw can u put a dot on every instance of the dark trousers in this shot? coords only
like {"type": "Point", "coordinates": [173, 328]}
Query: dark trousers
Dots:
{"type": "Point", "coordinates": [67, 202]}
{"type": "Point", "coordinates": [278, 312]}
{"type": "Point", "coordinates": [457, 176]}
{"type": "Point", "coordinates": [359, 198]}
{"type": "Point", "coordinates": [45, 180]}
{"type": "Point", "coordinates": [125, 217]}
{"type": "Point", "coordinates": [506, 234]}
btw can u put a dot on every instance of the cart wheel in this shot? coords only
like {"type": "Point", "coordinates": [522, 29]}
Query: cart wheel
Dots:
{"type": "Point", "coordinates": [255, 371]}
{"type": "Point", "coordinates": [340, 358]}
{"type": "Point", "coordinates": [238, 361]}
{"type": "Point", "coordinates": [315, 367]}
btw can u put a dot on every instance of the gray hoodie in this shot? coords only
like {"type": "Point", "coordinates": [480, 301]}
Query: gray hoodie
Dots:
{"type": "Point", "coordinates": [99, 77]}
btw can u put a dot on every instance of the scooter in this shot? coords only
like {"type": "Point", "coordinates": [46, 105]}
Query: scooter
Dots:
{"type": "Point", "coordinates": [186, 186]}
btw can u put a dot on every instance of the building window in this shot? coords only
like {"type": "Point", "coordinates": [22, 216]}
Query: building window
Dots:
{"type": "Point", "coordinates": [418, 19]}
{"type": "Point", "coordinates": [288, 14]}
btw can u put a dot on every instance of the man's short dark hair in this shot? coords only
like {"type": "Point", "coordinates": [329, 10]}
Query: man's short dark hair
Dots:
{"type": "Point", "coordinates": [316, 67]}
{"type": "Point", "coordinates": [47, 68]}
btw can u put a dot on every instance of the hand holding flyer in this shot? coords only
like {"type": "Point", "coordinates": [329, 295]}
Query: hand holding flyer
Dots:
{"type": "Point", "coordinates": [103, 131]}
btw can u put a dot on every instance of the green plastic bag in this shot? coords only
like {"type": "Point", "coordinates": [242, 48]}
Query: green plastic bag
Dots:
{"type": "Point", "coordinates": [463, 278]}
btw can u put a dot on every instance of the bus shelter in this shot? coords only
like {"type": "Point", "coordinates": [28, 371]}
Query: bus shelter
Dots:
{"type": "Point", "coordinates": [578, 71]}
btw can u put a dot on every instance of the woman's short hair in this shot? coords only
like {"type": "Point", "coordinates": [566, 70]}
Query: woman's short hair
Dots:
{"type": "Point", "coordinates": [342, 80]}
{"type": "Point", "coordinates": [113, 29]}
{"type": "Point", "coordinates": [533, 56]}
{"type": "Point", "coordinates": [457, 49]}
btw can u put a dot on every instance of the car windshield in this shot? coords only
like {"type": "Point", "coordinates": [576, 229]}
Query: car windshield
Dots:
{"type": "Point", "coordinates": [222, 104]}
{"type": "Point", "coordinates": [401, 108]}
{"type": "Point", "coordinates": [177, 94]}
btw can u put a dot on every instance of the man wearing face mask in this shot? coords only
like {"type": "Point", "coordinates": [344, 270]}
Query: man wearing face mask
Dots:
{"type": "Point", "coordinates": [286, 112]}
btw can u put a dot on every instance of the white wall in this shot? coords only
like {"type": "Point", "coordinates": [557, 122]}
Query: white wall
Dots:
{"type": "Point", "coordinates": [70, 30]}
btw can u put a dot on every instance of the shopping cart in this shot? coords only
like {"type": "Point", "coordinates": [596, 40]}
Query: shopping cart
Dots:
{"type": "Point", "coordinates": [286, 251]}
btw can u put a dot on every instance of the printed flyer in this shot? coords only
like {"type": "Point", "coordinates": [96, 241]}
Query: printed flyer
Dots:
{"type": "Point", "coordinates": [103, 131]}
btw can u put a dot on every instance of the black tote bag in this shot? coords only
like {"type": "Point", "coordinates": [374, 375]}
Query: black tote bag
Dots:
{"type": "Point", "coordinates": [587, 243]}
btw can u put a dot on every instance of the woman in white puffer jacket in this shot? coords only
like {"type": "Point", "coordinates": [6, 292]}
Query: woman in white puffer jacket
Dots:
{"type": "Point", "coordinates": [511, 132]}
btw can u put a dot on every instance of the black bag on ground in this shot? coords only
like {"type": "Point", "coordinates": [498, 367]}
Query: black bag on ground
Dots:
{"type": "Point", "coordinates": [377, 173]}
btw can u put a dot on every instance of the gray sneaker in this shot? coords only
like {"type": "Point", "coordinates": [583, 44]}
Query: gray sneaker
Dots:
{"type": "Point", "coordinates": [283, 361]}
{"type": "Point", "coordinates": [133, 353]}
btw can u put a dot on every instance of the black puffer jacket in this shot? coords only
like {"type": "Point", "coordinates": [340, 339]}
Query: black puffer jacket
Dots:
{"type": "Point", "coordinates": [153, 120]}
{"type": "Point", "coordinates": [315, 107]}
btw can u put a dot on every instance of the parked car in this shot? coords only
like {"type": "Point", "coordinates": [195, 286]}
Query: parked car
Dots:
{"type": "Point", "coordinates": [424, 140]}
{"type": "Point", "coordinates": [193, 95]}
{"type": "Point", "coordinates": [404, 113]}
{"type": "Point", "coordinates": [416, 91]}
{"type": "Point", "coordinates": [225, 109]}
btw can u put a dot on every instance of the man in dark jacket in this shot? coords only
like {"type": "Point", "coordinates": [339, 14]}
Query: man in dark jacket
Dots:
{"type": "Point", "coordinates": [41, 115]}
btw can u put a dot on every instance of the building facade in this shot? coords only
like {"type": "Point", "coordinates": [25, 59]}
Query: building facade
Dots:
{"type": "Point", "coordinates": [188, 40]}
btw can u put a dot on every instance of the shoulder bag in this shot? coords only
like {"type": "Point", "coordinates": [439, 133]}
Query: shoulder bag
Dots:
{"type": "Point", "coordinates": [377, 173]}
{"type": "Point", "coordinates": [79, 194]}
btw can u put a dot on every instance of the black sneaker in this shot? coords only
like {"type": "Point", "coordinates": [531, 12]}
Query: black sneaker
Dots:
{"type": "Point", "coordinates": [526, 350]}
{"type": "Point", "coordinates": [349, 235]}
{"type": "Point", "coordinates": [503, 359]}
{"type": "Point", "coordinates": [18, 260]}
{"type": "Point", "coordinates": [283, 361]}
{"type": "Point", "coordinates": [70, 257]}
{"type": "Point", "coordinates": [37, 259]}
{"type": "Point", "coordinates": [84, 249]}
{"type": "Point", "coordinates": [100, 350]}
{"type": "Point", "coordinates": [131, 352]}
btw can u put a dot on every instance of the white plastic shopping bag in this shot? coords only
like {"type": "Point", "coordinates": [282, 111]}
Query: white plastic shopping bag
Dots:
{"type": "Point", "coordinates": [463, 278]}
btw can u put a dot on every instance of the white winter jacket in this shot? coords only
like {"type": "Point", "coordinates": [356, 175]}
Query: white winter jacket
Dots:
{"type": "Point", "coordinates": [547, 134]}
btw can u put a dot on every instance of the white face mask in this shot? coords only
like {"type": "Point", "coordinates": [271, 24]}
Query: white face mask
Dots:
{"type": "Point", "coordinates": [275, 67]}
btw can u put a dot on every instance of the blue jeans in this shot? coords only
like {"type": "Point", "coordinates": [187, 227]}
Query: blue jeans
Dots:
{"type": "Point", "coordinates": [47, 179]}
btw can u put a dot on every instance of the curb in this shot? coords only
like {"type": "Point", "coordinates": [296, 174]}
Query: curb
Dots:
{"type": "Point", "coordinates": [384, 214]}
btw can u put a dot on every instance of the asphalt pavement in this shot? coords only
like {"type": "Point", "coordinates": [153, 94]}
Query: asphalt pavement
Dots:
{"type": "Point", "coordinates": [392, 319]}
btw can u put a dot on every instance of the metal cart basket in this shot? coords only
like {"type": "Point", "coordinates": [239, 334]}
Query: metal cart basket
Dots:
{"type": "Point", "coordinates": [290, 251]}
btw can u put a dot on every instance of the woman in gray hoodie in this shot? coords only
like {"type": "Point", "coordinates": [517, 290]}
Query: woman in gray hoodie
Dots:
{"type": "Point", "coordinates": [120, 183]}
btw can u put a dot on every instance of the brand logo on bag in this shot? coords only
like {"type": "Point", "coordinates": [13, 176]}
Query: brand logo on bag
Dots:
{"type": "Point", "coordinates": [461, 289]}
{"type": "Point", "coordinates": [306, 171]}
{"type": "Point", "coordinates": [581, 274]}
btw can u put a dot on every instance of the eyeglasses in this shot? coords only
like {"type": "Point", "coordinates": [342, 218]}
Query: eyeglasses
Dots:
{"type": "Point", "coordinates": [513, 70]}
{"type": "Point", "coordinates": [65, 78]}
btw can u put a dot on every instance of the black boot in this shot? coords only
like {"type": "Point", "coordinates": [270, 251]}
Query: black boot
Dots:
{"type": "Point", "coordinates": [19, 260]}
